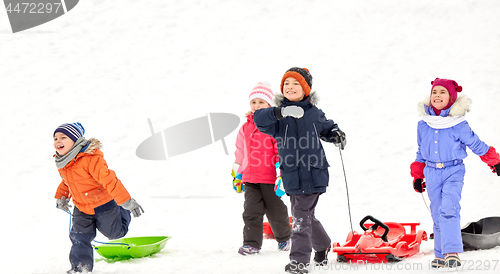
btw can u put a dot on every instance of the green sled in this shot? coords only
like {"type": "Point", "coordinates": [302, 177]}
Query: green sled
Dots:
{"type": "Point", "coordinates": [133, 247]}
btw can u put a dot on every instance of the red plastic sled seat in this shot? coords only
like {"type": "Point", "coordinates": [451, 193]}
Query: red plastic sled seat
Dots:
{"type": "Point", "coordinates": [381, 242]}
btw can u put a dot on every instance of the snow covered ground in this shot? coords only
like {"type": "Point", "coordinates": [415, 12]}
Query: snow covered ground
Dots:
{"type": "Point", "coordinates": [112, 64]}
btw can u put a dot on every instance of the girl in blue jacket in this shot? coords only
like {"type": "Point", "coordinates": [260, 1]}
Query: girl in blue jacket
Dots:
{"type": "Point", "coordinates": [442, 137]}
{"type": "Point", "coordinates": [298, 126]}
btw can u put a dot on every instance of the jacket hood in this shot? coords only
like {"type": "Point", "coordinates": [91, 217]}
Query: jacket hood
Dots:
{"type": "Point", "coordinates": [249, 116]}
{"type": "Point", "coordinates": [92, 147]}
{"type": "Point", "coordinates": [93, 144]}
{"type": "Point", "coordinates": [459, 108]}
{"type": "Point", "coordinates": [279, 97]}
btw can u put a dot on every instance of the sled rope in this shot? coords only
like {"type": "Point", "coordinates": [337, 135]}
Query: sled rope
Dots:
{"type": "Point", "coordinates": [426, 204]}
{"type": "Point", "coordinates": [71, 217]}
{"type": "Point", "coordinates": [347, 191]}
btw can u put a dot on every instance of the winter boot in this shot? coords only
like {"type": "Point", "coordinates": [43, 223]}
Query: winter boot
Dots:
{"type": "Point", "coordinates": [285, 246]}
{"type": "Point", "coordinates": [437, 263]}
{"type": "Point", "coordinates": [452, 260]}
{"type": "Point", "coordinates": [77, 271]}
{"type": "Point", "coordinates": [296, 268]}
{"type": "Point", "coordinates": [321, 257]}
{"type": "Point", "coordinates": [247, 250]}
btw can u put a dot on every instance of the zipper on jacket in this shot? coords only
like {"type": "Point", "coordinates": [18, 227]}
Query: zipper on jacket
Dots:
{"type": "Point", "coordinates": [284, 143]}
{"type": "Point", "coordinates": [317, 135]}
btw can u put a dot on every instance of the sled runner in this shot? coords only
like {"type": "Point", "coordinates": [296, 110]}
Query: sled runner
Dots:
{"type": "Point", "coordinates": [380, 242]}
{"type": "Point", "coordinates": [134, 247]}
{"type": "Point", "coordinates": [482, 234]}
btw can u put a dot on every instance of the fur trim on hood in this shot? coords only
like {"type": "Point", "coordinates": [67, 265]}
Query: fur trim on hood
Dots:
{"type": "Point", "coordinates": [460, 107]}
{"type": "Point", "coordinates": [93, 144]}
{"type": "Point", "coordinates": [278, 98]}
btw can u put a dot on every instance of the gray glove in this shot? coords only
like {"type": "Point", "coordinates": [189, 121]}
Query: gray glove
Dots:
{"type": "Point", "coordinates": [63, 203]}
{"type": "Point", "coordinates": [134, 207]}
{"type": "Point", "coordinates": [292, 111]}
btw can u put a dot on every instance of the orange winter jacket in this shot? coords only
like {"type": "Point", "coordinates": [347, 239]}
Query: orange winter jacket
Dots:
{"type": "Point", "coordinates": [89, 182]}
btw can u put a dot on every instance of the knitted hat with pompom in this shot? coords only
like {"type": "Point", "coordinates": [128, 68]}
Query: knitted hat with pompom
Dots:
{"type": "Point", "coordinates": [300, 74]}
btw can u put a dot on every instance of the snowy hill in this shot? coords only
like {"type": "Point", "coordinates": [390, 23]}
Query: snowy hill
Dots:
{"type": "Point", "coordinates": [113, 64]}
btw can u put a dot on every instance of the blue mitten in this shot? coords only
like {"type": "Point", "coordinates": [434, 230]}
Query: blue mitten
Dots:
{"type": "Point", "coordinates": [278, 184]}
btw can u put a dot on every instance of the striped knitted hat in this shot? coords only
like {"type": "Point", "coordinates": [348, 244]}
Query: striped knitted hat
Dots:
{"type": "Point", "coordinates": [300, 74]}
{"type": "Point", "coordinates": [72, 130]}
{"type": "Point", "coordinates": [262, 91]}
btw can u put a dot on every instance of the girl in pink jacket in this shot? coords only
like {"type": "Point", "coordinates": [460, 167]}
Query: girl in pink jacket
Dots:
{"type": "Point", "coordinates": [254, 174]}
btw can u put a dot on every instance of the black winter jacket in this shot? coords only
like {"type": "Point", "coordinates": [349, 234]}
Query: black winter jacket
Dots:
{"type": "Point", "coordinates": [303, 164]}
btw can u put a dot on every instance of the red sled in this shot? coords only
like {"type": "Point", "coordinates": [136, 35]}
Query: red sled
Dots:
{"type": "Point", "coordinates": [268, 232]}
{"type": "Point", "coordinates": [380, 242]}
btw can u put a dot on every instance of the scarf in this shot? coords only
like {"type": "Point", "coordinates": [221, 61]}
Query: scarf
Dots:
{"type": "Point", "coordinates": [63, 160]}
{"type": "Point", "coordinates": [439, 122]}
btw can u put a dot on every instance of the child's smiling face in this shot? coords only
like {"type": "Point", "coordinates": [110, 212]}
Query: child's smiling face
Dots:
{"type": "Point", "coordinates": [293, 90]}
{"type": "Point", "coordinates": [62, 143]}
{"type": "Point", "coordinates": [258, 103]}
{"type": "Point", "coordinates": [440, 97]}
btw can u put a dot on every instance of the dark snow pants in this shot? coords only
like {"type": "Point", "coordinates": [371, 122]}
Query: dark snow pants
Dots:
{"type": "Point", "coordinates": [261, 199]}
{"type": "Point", "coordinates": [307, 232]}
{"type": "Point", "coordinates": [111, 220]}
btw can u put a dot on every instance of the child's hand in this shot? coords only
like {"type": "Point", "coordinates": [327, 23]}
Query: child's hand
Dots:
{"type": "Point", "coordinates": [417, 172]}
{"type": "Point", "coordinates": [278, 184]}
{"type": "Point", "coordinates": [339, 139]}
{"type": "Point", "coordinates": [496, 168]}
{"type": "Point", "coordinates": [63, 203]}
{"type": "Point", "coordinates": [419, 185]}
{"type": "Point", "coordinates": [292, 111]}
{"type": "Point", "coordinates": [237, 184]}
{"type": "Point", "coordinates": [492, 159]}
{"type": "Point", "coordinates": [134, 207]}
{"type": "Point", "coordinates": [278, 187]}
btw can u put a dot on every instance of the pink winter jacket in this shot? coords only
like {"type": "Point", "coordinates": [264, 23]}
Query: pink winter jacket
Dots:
{"type": "Point", "coordinates": [256, 153]}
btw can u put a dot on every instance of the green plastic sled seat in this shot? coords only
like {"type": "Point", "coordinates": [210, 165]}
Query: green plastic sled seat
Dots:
{"type": "Point", "coordinates": [133, 247]}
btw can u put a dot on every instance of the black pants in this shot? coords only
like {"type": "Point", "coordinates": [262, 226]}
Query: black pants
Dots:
{"type": "Point", "coordinates": [308, 232]}
{"type": "Point", "coordinates": [113, 223]}
{"type": "Point", "coordinates": [261, 199]}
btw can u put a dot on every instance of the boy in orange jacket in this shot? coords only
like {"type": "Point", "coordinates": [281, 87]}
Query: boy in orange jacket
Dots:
{"type": "Point", "coordinates": [101, 201]}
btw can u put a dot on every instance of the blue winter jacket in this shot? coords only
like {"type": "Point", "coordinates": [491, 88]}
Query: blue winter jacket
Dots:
{"type": "Point", "coordinates": [439, 145]}
{"type": "Point", "coordinates": [303, 164]}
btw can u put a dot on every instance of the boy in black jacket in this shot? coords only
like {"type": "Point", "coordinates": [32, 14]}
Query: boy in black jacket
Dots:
{"type": "Point", "coordinates": [298, 126]}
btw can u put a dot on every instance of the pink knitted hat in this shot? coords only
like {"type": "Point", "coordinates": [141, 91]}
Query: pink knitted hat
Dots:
{"type": "Point", "coordinates": [450, 85]}
{"type": "Point", "coordinates": [262, 91]}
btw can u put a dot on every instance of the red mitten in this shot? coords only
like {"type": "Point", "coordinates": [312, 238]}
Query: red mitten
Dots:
{"type": "Point", "coordinates": [417, 172]}
{"type": "Point", "coordinates": [492, 159]}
